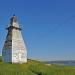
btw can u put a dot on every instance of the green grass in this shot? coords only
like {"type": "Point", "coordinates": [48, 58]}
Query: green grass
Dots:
{"type": "Point", "coordinates": [34, 68]}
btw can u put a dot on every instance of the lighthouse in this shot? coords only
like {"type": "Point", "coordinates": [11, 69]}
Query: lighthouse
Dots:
{"type": "Point", "coordinates": [14, 49]}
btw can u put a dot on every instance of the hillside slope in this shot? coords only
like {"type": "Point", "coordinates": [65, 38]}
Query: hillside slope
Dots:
{"type": "Point", "coordinates": [34, 68]}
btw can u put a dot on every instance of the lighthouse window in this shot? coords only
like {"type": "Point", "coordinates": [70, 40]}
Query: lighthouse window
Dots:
{"type": "Point", "coordinates": [5, 41]}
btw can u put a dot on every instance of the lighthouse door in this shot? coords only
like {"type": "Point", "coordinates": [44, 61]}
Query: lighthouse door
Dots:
{"type": "Point", "coordinates": [20, 55]}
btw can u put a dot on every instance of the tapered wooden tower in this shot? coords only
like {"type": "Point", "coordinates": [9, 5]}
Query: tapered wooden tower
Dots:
{"type": "Point", "coordinates": [14, 49]}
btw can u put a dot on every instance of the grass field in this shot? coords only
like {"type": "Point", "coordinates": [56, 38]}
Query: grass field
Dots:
{"type": "Point", "coordinates": [34, 68]}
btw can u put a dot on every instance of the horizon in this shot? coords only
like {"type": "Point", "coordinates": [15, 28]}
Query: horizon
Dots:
{"type": "Point", "coordinates": [48, 27]}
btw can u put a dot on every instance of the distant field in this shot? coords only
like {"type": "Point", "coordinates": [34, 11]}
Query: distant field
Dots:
{"type": "Point", "coordinates": [34, 68]}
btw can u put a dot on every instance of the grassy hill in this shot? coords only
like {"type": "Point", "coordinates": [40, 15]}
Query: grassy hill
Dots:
{"type": "Point", "coordinates": [34, 68]}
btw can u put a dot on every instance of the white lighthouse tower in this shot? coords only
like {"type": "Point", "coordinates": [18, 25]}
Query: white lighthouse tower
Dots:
{"type": "Point", "coordinates": [14, 49]}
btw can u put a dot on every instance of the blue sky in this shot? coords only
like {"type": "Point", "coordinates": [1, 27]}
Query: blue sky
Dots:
{"type": "Point", "coordinates": [48, 27]}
